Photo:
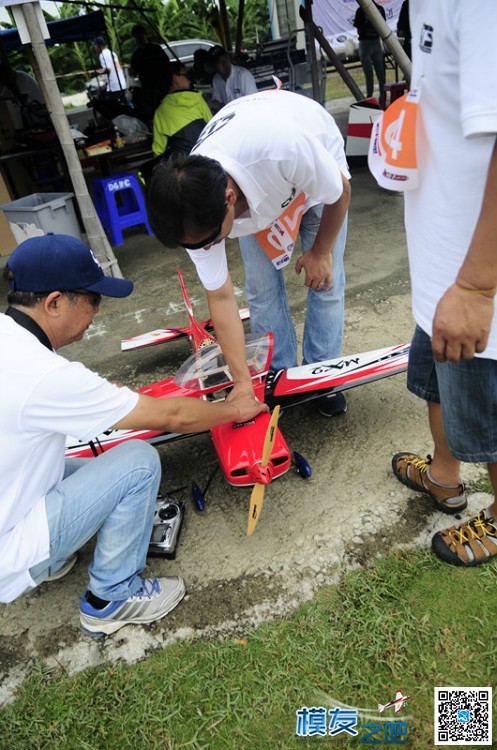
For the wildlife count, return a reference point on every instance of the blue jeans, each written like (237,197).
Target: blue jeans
(114,497)
(371,55)
(467,393)
(269,310)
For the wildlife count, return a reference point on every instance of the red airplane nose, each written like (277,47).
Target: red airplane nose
(261,474)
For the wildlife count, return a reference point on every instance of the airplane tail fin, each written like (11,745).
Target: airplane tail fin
(381,708)
(200,337)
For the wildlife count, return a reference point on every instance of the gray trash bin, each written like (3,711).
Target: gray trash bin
(51,212)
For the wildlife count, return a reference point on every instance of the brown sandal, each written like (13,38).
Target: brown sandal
(411,470)
(472,543)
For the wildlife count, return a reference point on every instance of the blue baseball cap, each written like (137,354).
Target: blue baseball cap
(62,263)
(99,40)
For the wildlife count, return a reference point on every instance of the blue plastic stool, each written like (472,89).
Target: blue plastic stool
(120,204)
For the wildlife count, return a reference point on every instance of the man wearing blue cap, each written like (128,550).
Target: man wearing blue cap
(52,506)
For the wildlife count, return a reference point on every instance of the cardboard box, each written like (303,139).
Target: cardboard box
(17,179)
(7,240)
(104,147)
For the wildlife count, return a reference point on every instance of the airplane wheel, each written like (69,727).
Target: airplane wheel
(198,497)
(303,467)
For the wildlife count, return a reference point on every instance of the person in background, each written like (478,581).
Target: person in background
(370,50)
(111,67)
(150,64)
(181,115)
(24,92)
(404,28)
(230,81)
(267,168)
(451,226)
(202,71)
(52,506)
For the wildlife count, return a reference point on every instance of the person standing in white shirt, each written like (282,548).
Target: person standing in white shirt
(451,226)
(110,65)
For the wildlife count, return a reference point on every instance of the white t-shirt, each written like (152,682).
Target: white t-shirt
(240,83)
(455,64)
(275,145)
(43,398)
(117,79)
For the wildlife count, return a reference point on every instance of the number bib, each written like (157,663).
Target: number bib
(392,148)
(278,240)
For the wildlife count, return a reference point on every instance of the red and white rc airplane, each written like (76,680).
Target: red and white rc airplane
(254,452)
(397,702)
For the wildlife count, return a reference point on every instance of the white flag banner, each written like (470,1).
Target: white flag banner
(336,18)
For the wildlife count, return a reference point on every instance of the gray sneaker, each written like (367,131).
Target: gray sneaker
(154,600)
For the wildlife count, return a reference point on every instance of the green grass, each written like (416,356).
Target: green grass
(409,622)
(337,89)
(483,485)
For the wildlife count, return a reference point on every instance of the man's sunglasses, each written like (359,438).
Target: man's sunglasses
(94,297)
(207,241)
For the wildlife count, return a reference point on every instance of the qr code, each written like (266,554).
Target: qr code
(463,716)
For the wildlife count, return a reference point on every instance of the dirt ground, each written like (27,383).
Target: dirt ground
(351,509)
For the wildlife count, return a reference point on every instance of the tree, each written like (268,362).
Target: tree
(167,21)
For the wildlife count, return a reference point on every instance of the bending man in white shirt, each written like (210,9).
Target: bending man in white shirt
(267,167)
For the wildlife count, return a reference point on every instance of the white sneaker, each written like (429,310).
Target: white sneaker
(154,600)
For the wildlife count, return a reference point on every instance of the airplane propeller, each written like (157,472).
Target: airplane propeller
(257,497)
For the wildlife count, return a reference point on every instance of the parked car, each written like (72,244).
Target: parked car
(184,49)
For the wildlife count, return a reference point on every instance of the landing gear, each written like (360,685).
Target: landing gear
(301,465)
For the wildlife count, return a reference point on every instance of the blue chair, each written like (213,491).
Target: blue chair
(120,204)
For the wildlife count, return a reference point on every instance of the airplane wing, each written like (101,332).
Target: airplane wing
(110,438)
(298,384)
(206,372)
(399,700)
(162,335)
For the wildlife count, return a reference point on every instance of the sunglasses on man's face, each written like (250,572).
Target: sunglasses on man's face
(208,241)
(94,298)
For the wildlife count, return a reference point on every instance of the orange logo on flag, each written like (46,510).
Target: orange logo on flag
(392,149)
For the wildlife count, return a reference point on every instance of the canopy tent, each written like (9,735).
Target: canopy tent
(30,22)
(74,29)
(336,18)
(34,33)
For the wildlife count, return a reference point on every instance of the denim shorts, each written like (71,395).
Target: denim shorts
(467,392)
